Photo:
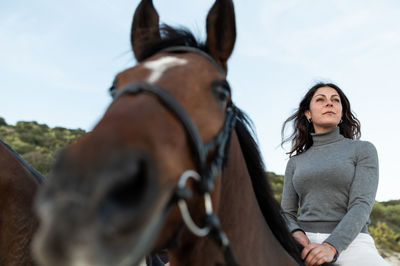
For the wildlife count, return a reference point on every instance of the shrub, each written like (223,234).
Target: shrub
(385,238)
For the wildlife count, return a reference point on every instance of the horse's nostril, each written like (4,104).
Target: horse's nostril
(127,191)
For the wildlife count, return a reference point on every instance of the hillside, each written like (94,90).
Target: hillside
(37,143)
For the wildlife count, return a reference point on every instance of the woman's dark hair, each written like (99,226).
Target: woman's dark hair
(301,138)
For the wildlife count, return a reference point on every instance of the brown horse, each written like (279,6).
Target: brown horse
(18,185)
(113,196)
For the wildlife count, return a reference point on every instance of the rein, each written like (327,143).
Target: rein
(206,173)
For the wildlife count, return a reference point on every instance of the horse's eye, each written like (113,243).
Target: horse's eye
(223,93)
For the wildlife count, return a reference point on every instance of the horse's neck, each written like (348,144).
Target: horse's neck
(241,219)
(14,173)
(17,222)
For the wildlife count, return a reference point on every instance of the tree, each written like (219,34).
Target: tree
(2,122)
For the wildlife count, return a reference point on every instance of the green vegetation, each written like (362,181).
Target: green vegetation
(2,122)
(385,219)
(37,143)
(385,226)
(276,182)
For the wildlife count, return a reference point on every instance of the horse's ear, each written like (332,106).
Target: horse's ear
(145,26)
(221,31)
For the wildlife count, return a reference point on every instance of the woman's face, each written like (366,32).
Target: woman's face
(325,109)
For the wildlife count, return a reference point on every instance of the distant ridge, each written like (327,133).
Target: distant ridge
(37,143)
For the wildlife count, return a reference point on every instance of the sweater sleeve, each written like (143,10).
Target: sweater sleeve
(290,199)
(361,197)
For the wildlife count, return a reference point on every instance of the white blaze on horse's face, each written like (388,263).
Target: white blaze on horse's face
(159,66)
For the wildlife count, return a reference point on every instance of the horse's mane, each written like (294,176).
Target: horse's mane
(39,177)
(169,37)
(268,205)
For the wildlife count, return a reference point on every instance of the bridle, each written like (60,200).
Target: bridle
(206,172)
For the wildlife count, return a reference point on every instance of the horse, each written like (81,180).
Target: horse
(18,185)
(172,164)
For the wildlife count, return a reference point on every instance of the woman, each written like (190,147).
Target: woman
(331,179)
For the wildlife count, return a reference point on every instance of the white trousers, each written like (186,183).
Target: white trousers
(361,251)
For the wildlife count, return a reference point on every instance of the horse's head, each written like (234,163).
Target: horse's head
(112,191)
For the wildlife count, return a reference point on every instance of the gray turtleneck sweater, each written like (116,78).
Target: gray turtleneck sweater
(333,184)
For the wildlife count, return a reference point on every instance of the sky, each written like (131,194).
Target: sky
(58,59)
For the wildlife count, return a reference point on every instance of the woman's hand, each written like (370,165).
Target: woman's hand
(301,238)
(317,254)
